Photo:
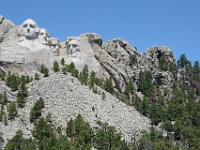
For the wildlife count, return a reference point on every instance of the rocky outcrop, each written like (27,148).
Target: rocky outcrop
(114,58)
(5,25)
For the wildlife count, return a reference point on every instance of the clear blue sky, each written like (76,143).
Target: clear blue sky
(143,23)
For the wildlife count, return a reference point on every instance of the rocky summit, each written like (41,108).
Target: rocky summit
(25,48)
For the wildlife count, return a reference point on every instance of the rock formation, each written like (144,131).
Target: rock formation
(24,48)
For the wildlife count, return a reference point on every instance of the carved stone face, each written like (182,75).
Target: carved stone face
(29,29)
(43,36)
(74,49)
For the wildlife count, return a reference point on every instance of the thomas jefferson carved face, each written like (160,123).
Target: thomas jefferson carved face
(44,36)
(29,29)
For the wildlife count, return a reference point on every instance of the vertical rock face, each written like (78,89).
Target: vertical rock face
(5,25)
(116,59)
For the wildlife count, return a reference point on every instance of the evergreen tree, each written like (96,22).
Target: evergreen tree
(182,62)
(92,78)
(42,130)
(16,141)
(132,60)
(85,74)
(5,119)
(145,106)
(1,139)
(196,71)
(103,95)
(56,66)
(36,111)
(70,130)
(63,61)
(44,70)
(1,115)
(108,85)
(12,111)
(21,100)
(129,89)
(37,76)
(145,83)
(5,98)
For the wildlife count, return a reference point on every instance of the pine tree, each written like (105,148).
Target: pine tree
(36,111)
(37,76)
(42,130)
(21,99)
(145,83)
(129,89)
(44,70)
(108,85)
(12,111)
(182,62)
(85,74)
(5,119)
(63,61)
(56,66)
(70,130)
(5,98)
(132,60)
(92,78)
(1,139)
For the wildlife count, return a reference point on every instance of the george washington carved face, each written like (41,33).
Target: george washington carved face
(29,29)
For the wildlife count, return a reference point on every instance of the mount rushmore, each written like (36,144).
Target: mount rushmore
(27,47)
(24,48)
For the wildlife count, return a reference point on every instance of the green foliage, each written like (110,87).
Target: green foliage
(5,120)
(18,142)
(5,98)
(62,61)
(36,111)
(2,75)
(12,111)
(108,85)
(103,95)
(92,78)
(42,130)
(1,115)
(70,68)
(56,66)
(182,62)
(1,139)
(80,132)
(44,70)
(145,83)
(107,137)
(37,76)
(196,71)
(132,60)
(13,81)
(93,108)
(129,89)
(83,76)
